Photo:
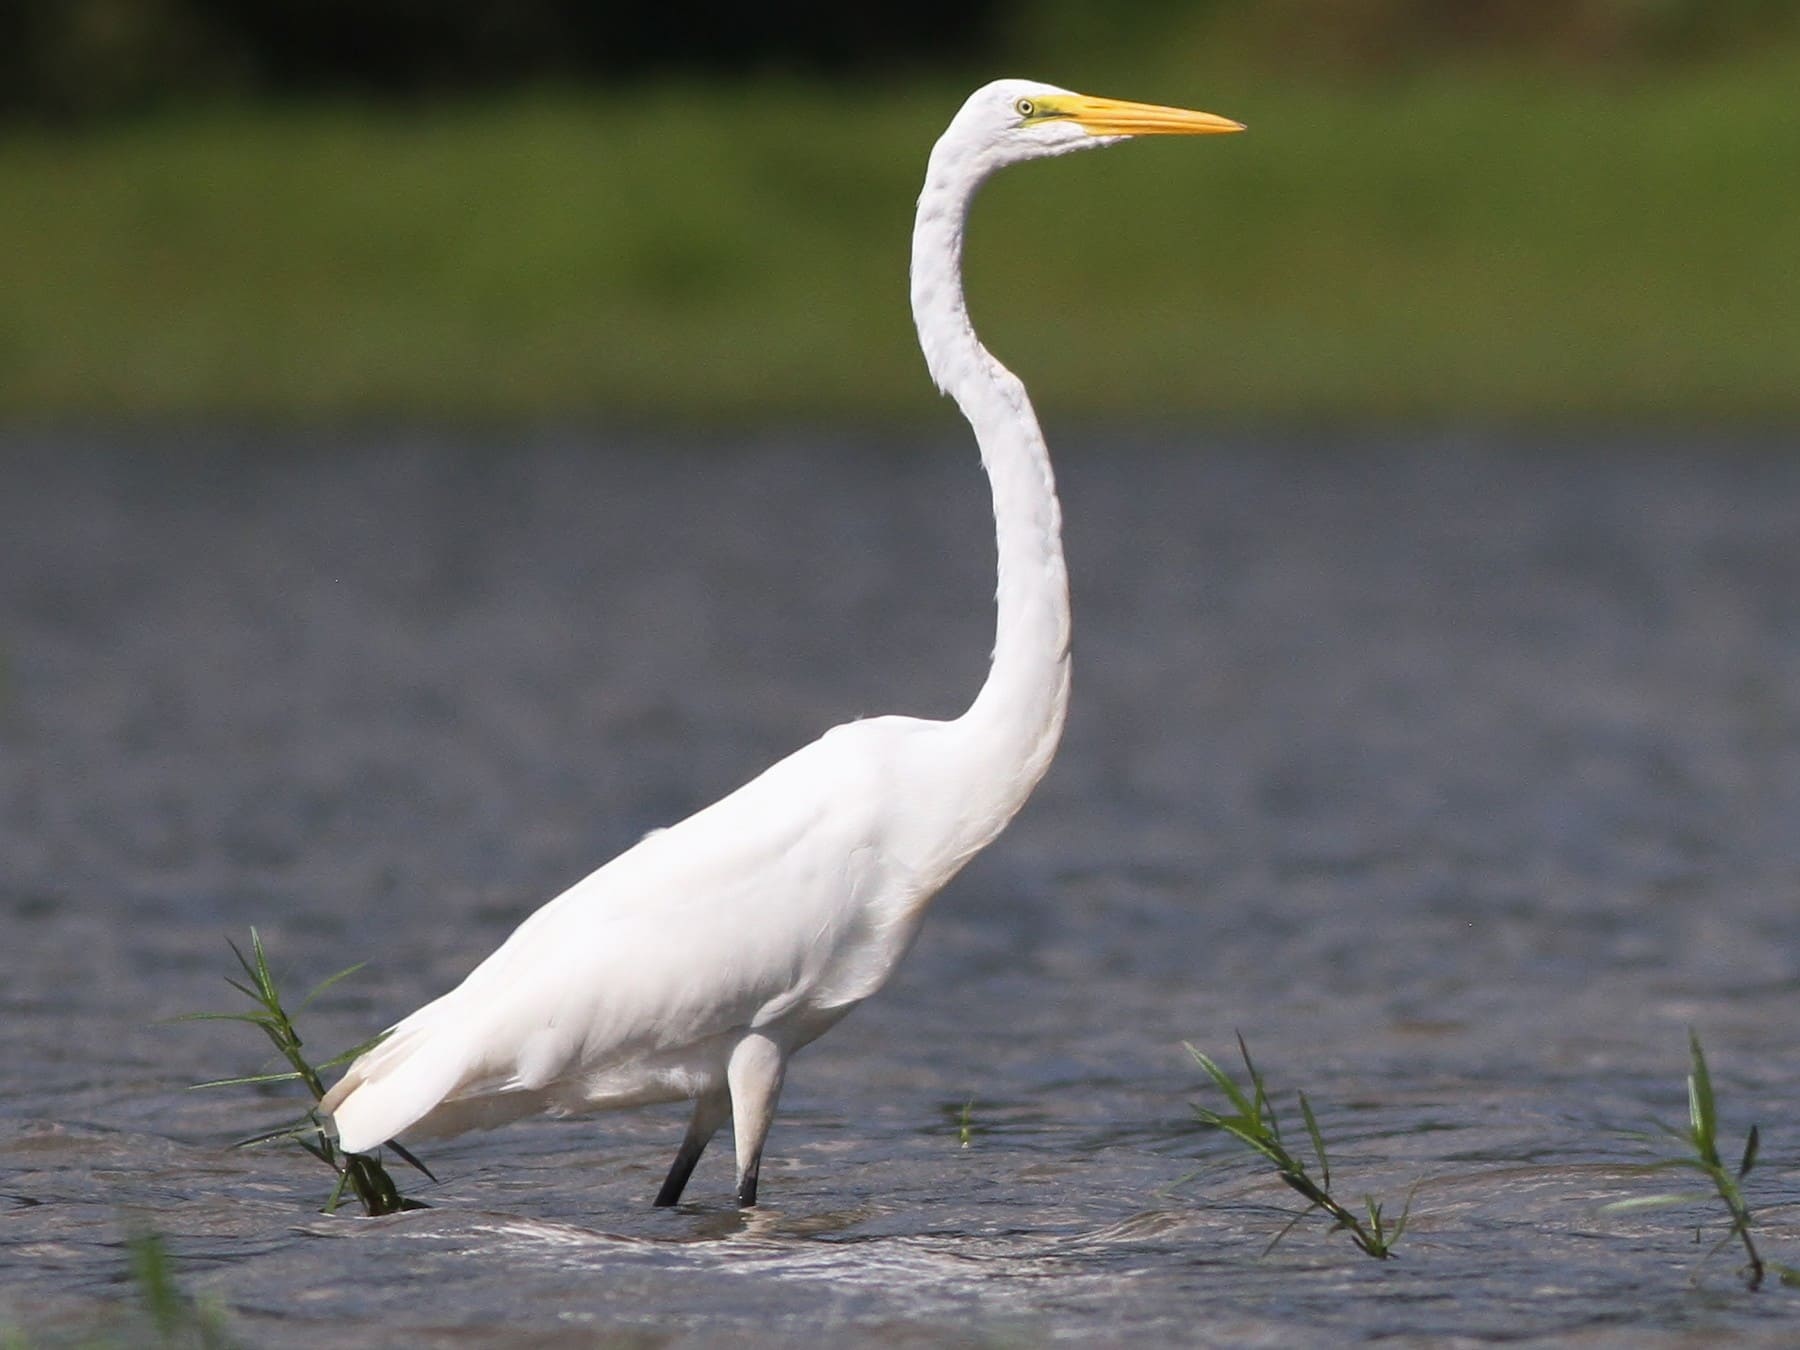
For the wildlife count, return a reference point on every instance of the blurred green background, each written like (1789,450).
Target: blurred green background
(701,213)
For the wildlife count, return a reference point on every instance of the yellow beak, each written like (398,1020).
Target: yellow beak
(1115,117)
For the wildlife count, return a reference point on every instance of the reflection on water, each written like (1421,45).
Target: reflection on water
(1462,777)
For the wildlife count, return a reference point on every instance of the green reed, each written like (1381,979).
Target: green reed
(178,1319)
(1254,1123)
(360,1173)
(1700,1140)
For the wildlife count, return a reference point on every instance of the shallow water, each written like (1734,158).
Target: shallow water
(1461,775)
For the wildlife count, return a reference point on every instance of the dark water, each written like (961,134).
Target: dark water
(1462,776)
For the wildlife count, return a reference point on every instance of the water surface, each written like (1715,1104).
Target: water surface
(1462,775)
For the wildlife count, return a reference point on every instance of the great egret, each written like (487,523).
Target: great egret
(694,964)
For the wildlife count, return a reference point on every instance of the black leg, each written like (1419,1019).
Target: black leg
(685,1158)
(709,1114)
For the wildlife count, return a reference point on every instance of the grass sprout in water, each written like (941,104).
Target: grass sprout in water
(1254,1124)
(360,1173)
(178,1319)
(1700,1139)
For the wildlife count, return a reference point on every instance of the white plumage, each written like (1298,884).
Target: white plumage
(694,964)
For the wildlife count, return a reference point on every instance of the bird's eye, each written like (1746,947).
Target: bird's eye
(1025,107)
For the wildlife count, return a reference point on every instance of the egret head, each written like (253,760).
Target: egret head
(1012,120)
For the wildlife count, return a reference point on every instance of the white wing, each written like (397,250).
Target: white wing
(781,901)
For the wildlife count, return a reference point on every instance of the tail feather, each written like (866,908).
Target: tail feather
(391,1089)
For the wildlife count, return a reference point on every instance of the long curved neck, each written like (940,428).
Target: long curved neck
(1010,732)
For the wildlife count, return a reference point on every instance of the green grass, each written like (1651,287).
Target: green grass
(1699,1141)
(159,1312)
(1470,243)
(176,1319)
(1254,1123)
(360,1174)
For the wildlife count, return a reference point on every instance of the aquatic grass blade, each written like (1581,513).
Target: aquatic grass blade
(285,1076)
(354,1052)
(1703,1115)
(358,1173)
(1263,1112)
(1405,1214)
(1222,1081)
(406,1156)
(258,971)
(1701,1139)
(337,1192)
(1287,1228)
(255,1019)
(297,1130)
(150,1272)
(1751,1144)
(1666,1200)
(178,1319)
(1318,1141)
(327,983)
(1257,1126)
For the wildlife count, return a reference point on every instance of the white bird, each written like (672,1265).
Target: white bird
(694,964)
